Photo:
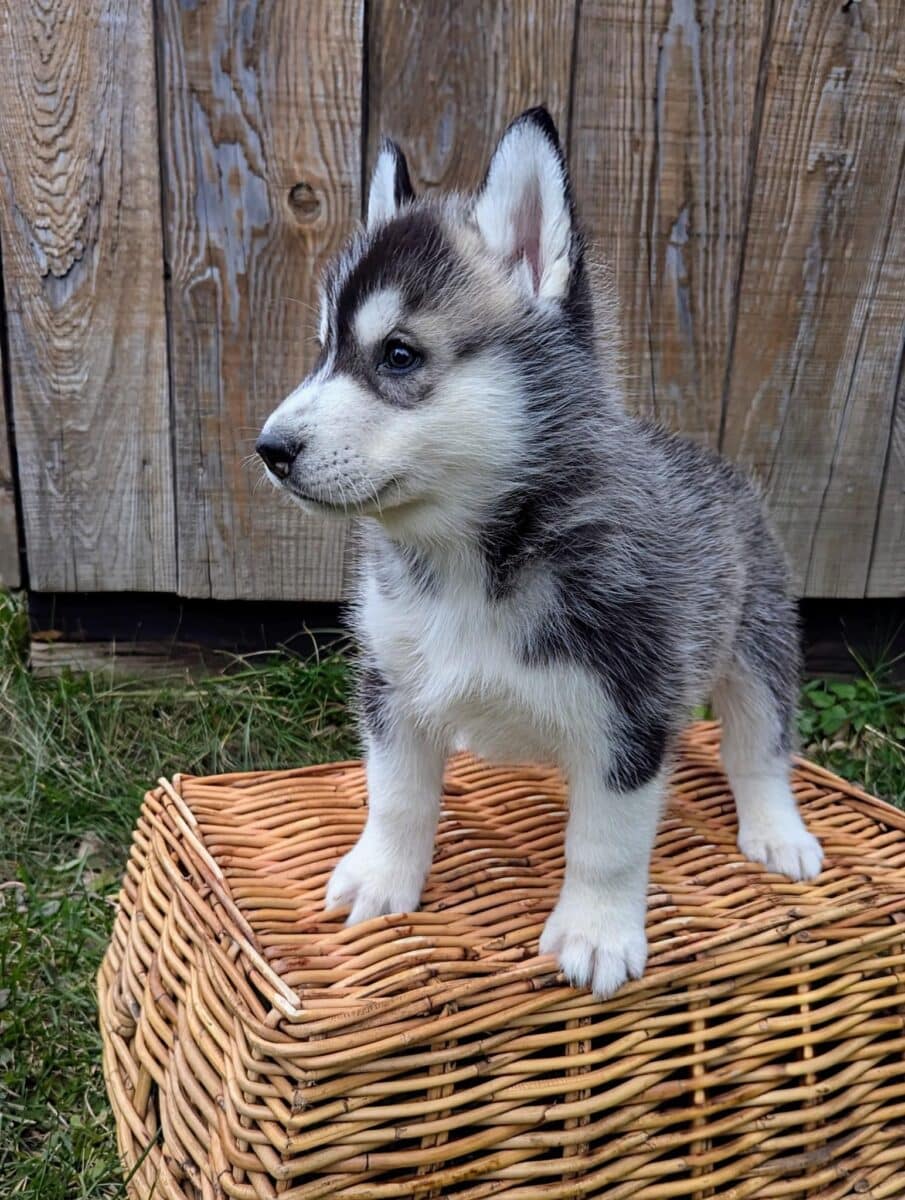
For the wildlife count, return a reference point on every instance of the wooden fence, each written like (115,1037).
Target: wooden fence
(173,176)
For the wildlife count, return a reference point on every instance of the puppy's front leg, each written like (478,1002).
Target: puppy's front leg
(385,870)
(596,929)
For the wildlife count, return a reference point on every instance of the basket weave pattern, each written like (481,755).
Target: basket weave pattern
(254,1048)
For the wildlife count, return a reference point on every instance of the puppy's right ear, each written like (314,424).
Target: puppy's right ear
(524,208)
(391,186)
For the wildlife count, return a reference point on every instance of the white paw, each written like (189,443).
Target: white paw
(599,945)
(787,849)
(371,884)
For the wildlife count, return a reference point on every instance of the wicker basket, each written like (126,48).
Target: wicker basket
(254,1048)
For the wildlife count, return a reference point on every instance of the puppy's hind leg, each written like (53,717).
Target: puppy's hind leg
(757,717)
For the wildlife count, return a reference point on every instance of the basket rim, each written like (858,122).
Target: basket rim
(698,736)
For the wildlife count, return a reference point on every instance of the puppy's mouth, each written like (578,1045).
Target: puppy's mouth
(371,504)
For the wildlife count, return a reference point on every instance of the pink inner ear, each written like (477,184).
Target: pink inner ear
(527,231)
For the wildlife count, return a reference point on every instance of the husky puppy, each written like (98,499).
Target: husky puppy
(543,575)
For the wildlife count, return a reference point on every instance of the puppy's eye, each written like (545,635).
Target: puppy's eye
(399,357)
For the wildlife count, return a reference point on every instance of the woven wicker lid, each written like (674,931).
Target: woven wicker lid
(435,1053)
(498,867)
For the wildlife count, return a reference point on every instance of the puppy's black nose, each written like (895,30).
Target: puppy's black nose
(278,453)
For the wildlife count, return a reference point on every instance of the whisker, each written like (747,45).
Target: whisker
(294,300)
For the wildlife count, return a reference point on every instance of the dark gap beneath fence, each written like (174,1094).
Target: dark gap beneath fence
(147,634)
(207,630)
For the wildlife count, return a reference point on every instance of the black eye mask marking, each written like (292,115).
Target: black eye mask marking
(409,253)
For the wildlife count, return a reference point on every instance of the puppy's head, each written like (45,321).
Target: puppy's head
(436,321)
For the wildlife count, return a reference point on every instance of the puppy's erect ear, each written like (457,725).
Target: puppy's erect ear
(391,186)
(524,207)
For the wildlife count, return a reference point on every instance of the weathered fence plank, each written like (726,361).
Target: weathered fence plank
(812,380)
(666,101)
(446,77)
(80,225)
(261,121)
(9,535)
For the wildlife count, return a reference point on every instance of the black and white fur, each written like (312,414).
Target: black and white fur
(544,576)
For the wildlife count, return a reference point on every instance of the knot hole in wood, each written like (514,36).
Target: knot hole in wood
(304,201)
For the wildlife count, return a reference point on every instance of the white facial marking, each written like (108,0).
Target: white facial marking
(378,316)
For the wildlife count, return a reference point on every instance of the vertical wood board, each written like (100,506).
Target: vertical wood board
(811,386)
(261,125)
(83,281)
(446,78)
(665,119)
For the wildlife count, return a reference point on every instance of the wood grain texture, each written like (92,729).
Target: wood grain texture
(445,78)
(10,576)
(664,119)
(811,385)
(741,167)
(80,224)
(261,120)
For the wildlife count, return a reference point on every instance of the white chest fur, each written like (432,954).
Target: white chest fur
(456,659)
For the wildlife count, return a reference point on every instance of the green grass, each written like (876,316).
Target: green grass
(856,727)
(75,756)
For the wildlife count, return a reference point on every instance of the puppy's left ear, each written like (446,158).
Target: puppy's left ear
(391,186)
(524,208)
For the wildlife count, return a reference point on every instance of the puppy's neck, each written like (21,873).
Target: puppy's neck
(469,546)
